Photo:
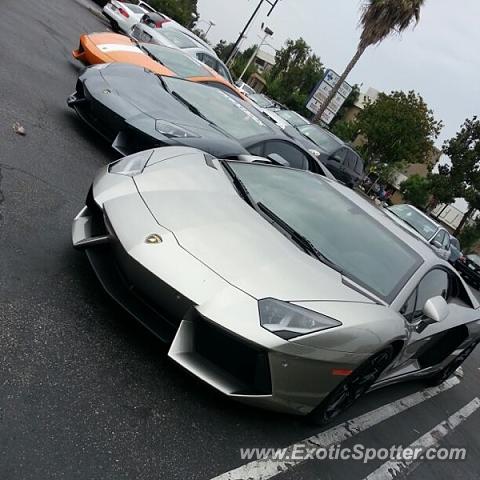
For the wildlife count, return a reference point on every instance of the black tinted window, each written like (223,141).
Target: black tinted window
(351,160)
(359,167)
(433,284)
(293,155)
(340,155)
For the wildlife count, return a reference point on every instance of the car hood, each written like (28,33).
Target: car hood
(199,205)
(150,103)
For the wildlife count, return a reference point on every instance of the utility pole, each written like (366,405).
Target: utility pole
(268,33)
(273,4)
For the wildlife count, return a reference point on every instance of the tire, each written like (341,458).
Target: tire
(439,377)
(352,388)
(114,26)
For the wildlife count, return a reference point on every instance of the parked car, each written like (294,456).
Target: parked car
(424,227)
(159,29)
(341,159)
(136,109)
(455,250)
(278,288)
(469,268)
(105,47)
(123,16)
(245,88)
(293,118)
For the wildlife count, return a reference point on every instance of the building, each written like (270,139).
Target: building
(363,98)
(264,61)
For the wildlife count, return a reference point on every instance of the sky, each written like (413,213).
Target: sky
(440,58)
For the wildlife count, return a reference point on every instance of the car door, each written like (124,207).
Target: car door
(336,163)
(429,343)
(441,244)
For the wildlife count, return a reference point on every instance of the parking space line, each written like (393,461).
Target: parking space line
(393,469)
(268,468)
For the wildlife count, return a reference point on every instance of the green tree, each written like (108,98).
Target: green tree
(464,153)
(183,11)
(379,19)
(470,236)
(296,72)
(416,191)
(223,49)
(398,128)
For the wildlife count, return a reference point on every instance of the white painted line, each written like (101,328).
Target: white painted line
(393,469)
(265,469)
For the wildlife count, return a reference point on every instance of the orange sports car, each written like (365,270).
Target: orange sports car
(112,47)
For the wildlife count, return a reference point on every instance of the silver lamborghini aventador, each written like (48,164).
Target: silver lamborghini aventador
(278,287)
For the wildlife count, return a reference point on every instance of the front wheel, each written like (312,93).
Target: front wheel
(449,370)
(352,388)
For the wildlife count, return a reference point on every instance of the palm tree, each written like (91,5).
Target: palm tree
(379,19)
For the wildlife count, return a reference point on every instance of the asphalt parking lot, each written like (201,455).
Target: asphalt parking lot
(84,391)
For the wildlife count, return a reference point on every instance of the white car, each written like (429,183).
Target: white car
(423,227)
(123,16)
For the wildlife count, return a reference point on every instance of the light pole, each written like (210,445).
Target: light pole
(273,4)
(268,33)
(210,24)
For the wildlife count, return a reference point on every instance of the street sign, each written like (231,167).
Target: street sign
(321,93)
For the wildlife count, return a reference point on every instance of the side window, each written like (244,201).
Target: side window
(200,56)
(433,284)
(223,71)
(340,155)
(446,241)
(351,160)
(257,149)
(210,61)
(293,155)
(359,167)
(439,237)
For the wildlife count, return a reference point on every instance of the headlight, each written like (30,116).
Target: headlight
(314,152)
(173,131)
(289,321)
(131,165)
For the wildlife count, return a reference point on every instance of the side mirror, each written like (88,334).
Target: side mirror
(436,244)
(436,309)
(277,159)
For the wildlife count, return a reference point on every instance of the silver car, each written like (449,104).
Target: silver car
(171,34)
(425,228)
(277,287)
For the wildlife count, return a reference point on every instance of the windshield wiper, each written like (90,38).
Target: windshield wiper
(298,238)
(239,185)
(190,106)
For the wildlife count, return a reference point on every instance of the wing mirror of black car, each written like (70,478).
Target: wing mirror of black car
(277,159)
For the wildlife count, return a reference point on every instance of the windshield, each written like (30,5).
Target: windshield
(176,61)
(220,108)
(361,247)
(416,220)
(293,118)
(179,39)
(261,100)
(320,137)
